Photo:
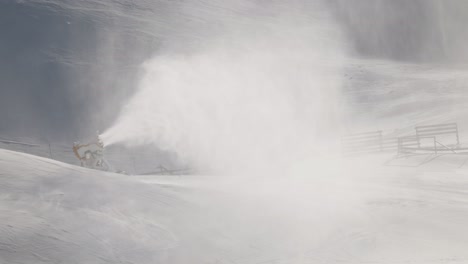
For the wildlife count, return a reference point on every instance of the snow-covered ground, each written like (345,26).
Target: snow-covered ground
(232,87)
(398,96)
(53,212)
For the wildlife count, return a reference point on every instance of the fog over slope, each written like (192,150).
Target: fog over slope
(354,213)
(256,90)
(425,31)
(68,67)
(256,93)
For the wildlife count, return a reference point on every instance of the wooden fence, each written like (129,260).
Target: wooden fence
(439,130)
(435,139)
(428,138)
(367,142)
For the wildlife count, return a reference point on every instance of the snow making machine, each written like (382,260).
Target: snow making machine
(91,154)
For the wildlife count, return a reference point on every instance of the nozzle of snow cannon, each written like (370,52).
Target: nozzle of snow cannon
(99,140)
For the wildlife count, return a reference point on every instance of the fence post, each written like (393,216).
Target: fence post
(418,138)
(50,151)
(132,156)
(381,140)
(399,146)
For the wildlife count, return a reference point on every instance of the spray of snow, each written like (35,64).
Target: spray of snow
(256,95)
(255,90)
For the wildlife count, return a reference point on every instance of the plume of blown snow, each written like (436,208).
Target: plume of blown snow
(259,93)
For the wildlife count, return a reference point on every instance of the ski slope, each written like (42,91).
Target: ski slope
(398,96)
(51,212)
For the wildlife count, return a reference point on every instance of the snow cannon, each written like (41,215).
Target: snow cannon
(91,154)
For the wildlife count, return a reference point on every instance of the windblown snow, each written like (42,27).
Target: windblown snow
(255,93)
(52,212)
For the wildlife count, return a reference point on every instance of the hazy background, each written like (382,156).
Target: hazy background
(67,68)
(242,87)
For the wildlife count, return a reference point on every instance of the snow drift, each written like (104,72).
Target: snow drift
(54,212)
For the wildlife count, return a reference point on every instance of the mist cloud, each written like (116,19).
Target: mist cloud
(254,96)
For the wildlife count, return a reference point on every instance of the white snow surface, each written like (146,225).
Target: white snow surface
(51,212)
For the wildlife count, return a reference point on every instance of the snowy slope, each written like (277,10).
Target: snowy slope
(52,212)
(391,95)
